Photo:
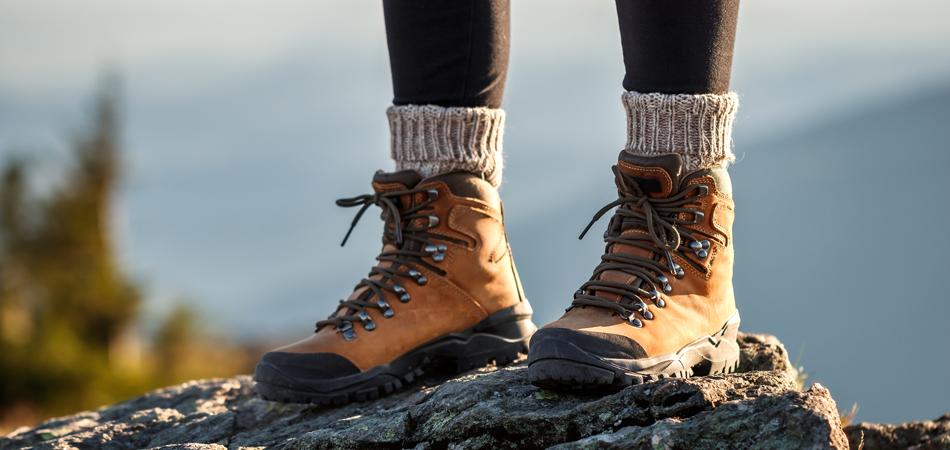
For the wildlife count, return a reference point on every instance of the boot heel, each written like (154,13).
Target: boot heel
(501,344)
(721,355)
(500,338)
(501,354)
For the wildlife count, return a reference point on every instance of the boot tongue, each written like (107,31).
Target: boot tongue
(402,180)
(657,176)
(395,181)
(384,182)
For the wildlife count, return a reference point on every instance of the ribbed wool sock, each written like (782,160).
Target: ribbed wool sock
(434,139)
(696,127)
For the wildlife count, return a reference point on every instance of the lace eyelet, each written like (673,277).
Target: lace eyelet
(386,308)
(678,271)
(634,322)
(433,194)
(660,303)
(433,221)
(698,217)
(700,248)
(647,314)
(437,251)
(347,331)
(401,292)
(666,283)
(421,279)
(368,323)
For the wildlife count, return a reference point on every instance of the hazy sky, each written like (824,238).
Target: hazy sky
(51,45)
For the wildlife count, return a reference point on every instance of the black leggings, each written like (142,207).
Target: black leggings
(455,52)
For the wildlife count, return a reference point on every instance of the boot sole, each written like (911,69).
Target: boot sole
(576,369)
(499,338)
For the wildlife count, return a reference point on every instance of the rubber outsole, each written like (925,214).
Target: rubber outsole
(499,339)
(561,365)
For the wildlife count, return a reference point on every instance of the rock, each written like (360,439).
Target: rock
(490,408)
(793,420)
(928,435)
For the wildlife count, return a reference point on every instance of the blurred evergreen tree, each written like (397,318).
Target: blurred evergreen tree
(63,299)
(69,315)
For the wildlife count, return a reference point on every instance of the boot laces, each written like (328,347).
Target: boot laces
(407,229)
(666,233)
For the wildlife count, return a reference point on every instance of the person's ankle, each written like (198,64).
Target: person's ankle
(697,127)
(434,139)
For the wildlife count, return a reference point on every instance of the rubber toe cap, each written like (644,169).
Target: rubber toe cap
(566,343)
(294,369)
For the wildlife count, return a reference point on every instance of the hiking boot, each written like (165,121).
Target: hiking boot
(445,294)
(660,303)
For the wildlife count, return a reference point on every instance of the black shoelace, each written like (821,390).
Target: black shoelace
(665,235)
(408,230)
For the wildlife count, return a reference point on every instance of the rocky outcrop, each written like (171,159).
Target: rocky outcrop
(928,435)
(760,405)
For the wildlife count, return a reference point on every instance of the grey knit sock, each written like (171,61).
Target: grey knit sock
(434,139)
(696,127)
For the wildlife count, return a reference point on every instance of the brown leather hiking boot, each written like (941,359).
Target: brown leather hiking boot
(444,294)
(660,303)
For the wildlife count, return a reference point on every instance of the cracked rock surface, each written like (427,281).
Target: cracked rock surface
(759,406)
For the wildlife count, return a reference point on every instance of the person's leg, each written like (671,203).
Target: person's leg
(660,303)
(678,59)
(447,53)
(678,46)
(445,269)
(449,60)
